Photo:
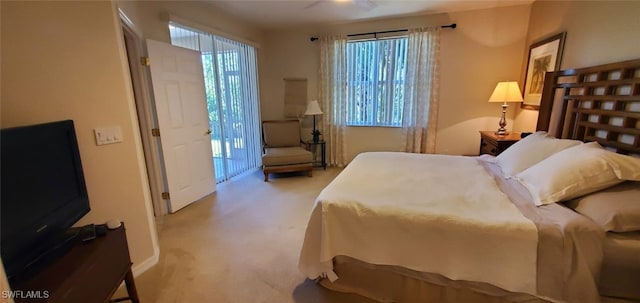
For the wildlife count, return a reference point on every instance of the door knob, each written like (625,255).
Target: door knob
(208,132)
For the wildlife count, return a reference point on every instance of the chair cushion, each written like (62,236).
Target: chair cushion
(281,133)
(286,156)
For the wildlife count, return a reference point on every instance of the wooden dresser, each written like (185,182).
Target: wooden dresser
(89,272)
(492,144)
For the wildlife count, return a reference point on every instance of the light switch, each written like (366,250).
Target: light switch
(108,135)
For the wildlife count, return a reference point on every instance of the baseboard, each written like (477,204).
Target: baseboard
(139,269)
(145,265)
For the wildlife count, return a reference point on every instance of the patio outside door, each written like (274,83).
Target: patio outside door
(230,77)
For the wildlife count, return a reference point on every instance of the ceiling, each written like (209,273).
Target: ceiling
(287,13)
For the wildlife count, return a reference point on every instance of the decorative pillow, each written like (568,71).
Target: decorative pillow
(529,151)
(577,171)
(616,209)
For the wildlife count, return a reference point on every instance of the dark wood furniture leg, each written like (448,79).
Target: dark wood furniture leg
(131,287)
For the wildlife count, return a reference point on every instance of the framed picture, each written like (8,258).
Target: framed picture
(544,56)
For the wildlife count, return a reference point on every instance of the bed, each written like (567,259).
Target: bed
(399,227)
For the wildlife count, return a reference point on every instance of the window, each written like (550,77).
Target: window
(375,82)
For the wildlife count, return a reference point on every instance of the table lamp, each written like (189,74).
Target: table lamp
(313,109)
(505,92)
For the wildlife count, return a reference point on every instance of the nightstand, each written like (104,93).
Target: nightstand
(319,153)
(492,144)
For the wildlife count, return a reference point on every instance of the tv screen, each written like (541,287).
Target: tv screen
(43,190)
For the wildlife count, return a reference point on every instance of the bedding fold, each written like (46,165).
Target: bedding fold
(569,245)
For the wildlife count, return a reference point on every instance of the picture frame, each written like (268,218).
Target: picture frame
(544,56)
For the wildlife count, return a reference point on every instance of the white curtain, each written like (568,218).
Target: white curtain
(333,96)
(419,118)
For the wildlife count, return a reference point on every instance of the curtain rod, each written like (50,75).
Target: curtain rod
(452,26)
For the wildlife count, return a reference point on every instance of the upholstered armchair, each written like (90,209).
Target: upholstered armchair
(282,149)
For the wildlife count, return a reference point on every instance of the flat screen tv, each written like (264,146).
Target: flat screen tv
(43,191)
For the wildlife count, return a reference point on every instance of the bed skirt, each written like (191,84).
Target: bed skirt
(383,283)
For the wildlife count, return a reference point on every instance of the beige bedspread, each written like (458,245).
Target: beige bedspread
(566,268)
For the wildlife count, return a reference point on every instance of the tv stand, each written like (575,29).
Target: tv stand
(45,254)
(89,272)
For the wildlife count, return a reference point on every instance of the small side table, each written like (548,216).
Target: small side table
(313,148)
(90,271)
(492,144)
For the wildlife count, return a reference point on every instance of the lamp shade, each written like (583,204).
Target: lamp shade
(506,92)
(313,108)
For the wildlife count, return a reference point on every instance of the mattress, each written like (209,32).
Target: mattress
(620,274)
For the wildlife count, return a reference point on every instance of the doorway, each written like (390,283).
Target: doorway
(230,72)
(146,120)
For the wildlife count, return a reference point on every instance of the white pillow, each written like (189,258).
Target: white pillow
(529,151)
(625,167)
(577,171)
(616,208)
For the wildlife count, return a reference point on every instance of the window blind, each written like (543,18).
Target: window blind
(376,72)
(231,83)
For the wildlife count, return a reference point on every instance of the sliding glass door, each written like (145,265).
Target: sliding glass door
(230,71)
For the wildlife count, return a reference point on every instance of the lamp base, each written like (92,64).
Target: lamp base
(315,133)
(502,131)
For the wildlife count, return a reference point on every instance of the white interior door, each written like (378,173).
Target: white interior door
(178,87)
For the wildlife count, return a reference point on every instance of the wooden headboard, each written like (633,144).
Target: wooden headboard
(599,103)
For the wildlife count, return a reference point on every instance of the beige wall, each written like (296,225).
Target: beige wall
(486,48)
(150,19)
(598,32)
(65,60)
(4,286)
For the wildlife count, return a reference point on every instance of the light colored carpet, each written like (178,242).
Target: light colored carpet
(240,244)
